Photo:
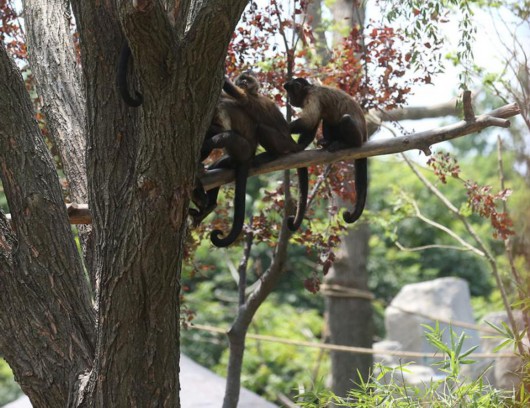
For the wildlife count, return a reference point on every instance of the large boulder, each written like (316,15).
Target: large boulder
(447,299)
(506,371)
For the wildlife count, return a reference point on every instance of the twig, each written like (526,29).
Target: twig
(443,228)
(489,257)
(508,248)
(434,246)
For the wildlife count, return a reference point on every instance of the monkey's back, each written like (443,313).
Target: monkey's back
(230,115)
(264,111)
(335,103)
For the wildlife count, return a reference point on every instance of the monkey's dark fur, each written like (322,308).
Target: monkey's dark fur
(234,131)
(343,125)
(272,131)
(121,78)
(244,119)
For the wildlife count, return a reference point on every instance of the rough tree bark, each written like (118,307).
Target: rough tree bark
(119,348)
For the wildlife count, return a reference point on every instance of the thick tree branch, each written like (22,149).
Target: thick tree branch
(421,141)
(223,13)
(79,213)
(153,43)
(45,307)
(53,62)
(52,51)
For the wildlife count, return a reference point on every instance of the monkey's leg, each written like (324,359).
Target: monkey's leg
(235,145)
(350,131)
(206,201)
(328,135)
(121,78)
(239,156)
(307,132)
(267,137)
(208,145)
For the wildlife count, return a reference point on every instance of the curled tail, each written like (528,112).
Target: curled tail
(361,187)
(121,78)
(239,209)
(293,223)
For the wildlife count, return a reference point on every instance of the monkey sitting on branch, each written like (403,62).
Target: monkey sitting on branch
(235,132)
(272,131)
(343,126)
(243,119)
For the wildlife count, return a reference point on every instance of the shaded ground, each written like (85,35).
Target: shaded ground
(200,388)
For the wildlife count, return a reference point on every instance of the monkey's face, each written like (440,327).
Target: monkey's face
(297,91)
(249,83)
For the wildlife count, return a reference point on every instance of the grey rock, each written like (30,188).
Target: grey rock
(444,298)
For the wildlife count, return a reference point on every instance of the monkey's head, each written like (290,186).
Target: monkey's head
(297,90)
(248,82)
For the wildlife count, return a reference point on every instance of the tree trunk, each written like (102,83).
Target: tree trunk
(348,315)
(349,310)
(45,309)
(122,350)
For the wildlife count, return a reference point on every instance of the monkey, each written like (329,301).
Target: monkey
(343,125)
(272,131)
(234,131)
(121,78)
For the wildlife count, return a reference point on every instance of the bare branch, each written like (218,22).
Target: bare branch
(417,112)
(52,51)
(421,141)
(434,246)
(443,228)
(469,114)
(80,214)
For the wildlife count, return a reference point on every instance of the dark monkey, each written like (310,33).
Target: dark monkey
(272,131)
(343,125)
(121,78)
(234,131)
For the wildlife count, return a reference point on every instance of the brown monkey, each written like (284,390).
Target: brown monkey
(235,132)
(343,125)
(272,131)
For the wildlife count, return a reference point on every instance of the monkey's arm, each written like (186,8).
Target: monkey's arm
(309,118)
(233,90)
(307,124)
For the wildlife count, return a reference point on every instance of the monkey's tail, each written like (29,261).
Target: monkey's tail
(294,222)
(239,209)
(361,187)
(121,78)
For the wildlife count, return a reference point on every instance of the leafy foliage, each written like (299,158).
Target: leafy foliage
(386,388)
(9,389)
(481,199)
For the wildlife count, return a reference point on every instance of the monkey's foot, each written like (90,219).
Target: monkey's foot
(335,146)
